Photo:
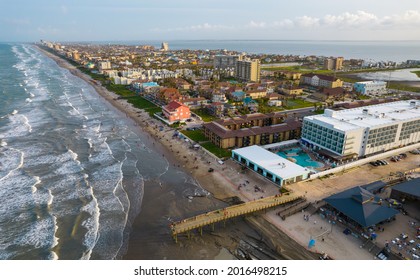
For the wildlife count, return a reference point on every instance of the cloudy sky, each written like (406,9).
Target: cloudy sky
(80,20)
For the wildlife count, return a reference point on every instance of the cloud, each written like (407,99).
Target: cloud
(347,20)
(256,24)
(360,18)
(306,21)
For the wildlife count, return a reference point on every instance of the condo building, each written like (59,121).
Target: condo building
(252,129)
(165,47)
(318,80)
(248,70)
(370,87)
(333,63)
(363,131)
(225,61)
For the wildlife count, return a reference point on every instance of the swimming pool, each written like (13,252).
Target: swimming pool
(301,158)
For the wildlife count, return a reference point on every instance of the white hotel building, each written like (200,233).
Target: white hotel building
(370,87)
(363,131)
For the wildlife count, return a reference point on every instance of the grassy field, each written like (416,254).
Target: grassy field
(140,102)
(398,86)
(195,135)
(417,73)
(297,103)
(204,115)
(153,110)
(219,152)
(120,90)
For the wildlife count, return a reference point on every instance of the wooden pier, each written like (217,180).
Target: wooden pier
(221,215)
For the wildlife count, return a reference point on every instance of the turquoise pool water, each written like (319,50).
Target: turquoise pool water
(301,158)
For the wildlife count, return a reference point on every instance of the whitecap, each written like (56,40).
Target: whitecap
(37,182)
(26,122)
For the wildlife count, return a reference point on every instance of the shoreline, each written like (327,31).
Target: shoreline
(195,163)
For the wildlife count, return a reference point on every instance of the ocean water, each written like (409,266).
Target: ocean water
(398,51)
(72,169)
(396,75)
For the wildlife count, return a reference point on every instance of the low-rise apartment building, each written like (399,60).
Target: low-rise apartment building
(318,80)
(252,129)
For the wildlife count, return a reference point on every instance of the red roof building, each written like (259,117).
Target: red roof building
(176,111)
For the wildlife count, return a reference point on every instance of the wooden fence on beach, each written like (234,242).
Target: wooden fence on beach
(221,215)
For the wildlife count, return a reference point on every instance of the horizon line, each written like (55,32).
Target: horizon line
(221,40)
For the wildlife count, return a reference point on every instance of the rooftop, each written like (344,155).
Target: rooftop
(271,162)
(370,116)
(361,206)
(411,187)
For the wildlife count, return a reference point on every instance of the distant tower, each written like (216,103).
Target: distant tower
(165,46)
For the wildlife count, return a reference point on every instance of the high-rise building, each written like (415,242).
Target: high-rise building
(333,63)
(225,61)
(248,70)
(165,46)
(339,63)
(104,65)
(76,55)
(363,131)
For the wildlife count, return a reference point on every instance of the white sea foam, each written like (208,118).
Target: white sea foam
(12,161)
(37,182)
(91,224)
(28,100)
(50,198)
(26,122)
(53,256)
(3,143)
(73,155)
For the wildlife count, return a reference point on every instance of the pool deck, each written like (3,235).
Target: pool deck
(299,160)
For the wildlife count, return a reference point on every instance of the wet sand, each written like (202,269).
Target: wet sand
(149,234)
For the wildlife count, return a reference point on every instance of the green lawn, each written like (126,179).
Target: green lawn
(417,73)
(204,115)
(120,90)
(297,103)
(140,102)
(219,152)
(363,97)
(195,135)
(264,108)
(153,110)
(397,86)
